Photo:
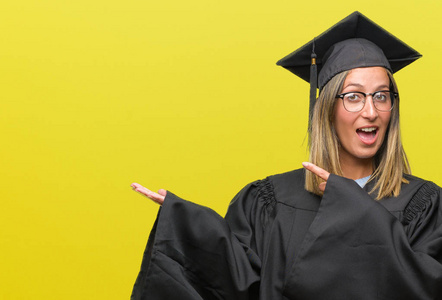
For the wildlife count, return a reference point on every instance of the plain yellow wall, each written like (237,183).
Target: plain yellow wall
(183,95)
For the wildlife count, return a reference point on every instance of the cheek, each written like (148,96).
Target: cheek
(343,122)
(386,118)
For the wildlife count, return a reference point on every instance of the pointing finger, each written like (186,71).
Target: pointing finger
(316,170)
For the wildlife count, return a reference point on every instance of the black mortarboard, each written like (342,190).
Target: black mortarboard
(354,42)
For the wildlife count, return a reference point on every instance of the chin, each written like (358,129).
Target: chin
(366,154)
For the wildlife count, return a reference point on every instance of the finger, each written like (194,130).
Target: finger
(322,186)
(162,192)
(135,185)
(151,195)
(148,193)
(316,170)
(141,189)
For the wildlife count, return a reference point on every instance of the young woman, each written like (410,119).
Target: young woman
(355,225)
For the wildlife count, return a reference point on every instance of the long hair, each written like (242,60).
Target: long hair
(389,163)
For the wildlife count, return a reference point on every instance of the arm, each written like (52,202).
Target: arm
(356,249)
(194,253)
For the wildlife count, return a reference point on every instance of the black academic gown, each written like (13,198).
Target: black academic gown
(278,241)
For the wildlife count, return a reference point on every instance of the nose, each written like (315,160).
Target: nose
(369,111)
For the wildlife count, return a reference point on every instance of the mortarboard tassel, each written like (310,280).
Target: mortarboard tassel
(313,84)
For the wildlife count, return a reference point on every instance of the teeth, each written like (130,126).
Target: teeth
(369,129)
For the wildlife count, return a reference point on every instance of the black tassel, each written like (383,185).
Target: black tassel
(313,84)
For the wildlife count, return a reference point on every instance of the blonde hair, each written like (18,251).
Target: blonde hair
(389,163)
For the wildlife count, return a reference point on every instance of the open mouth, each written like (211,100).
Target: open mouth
(367,134)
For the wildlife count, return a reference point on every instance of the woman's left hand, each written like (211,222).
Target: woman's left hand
(317,171)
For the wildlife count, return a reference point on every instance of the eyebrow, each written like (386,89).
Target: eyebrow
(361,86)
(352,84)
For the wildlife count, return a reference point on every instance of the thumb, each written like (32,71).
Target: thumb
(322,186)
(162,192)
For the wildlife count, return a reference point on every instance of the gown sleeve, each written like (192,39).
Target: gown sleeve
(356,249)
(193,253)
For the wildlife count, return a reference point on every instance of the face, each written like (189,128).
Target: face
(361,133)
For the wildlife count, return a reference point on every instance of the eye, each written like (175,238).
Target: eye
(353,97)
(381,96)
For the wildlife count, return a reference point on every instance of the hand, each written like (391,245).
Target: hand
(156,197)
(317,171)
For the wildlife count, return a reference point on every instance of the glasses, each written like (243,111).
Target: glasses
(355,101)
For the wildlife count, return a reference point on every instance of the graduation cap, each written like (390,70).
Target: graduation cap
(354,42)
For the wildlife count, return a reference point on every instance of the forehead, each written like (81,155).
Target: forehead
(371,77)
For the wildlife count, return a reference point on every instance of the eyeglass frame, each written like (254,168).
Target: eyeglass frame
(395,95)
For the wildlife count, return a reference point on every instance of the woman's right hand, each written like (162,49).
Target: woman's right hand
(155,197)
(319,172)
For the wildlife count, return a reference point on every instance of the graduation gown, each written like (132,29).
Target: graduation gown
(278,241)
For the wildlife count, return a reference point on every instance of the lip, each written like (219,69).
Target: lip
(368,141)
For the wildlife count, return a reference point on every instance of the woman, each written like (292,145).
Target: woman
(355,225)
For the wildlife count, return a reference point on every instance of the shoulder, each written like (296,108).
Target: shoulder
(289,190)
(292,179)
(424,198)
(284,188)
(416,191)
(414,180)
(420,186)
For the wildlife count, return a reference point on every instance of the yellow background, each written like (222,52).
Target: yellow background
(183,95)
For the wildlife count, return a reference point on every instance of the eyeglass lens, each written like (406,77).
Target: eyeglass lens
(355,101)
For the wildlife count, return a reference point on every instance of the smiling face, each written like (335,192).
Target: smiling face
(361,133)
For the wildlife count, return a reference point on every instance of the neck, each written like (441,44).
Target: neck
(356,168)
